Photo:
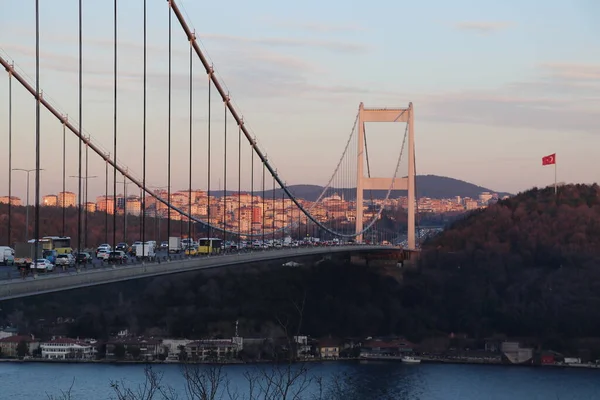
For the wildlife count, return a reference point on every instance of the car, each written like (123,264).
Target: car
(102,254)
(83,258)
(103,247)
(65,260)
(122,247)
(117,257)
(41,264)
(164,245)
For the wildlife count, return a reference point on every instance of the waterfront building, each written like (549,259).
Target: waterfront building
(67,349)
(9,345)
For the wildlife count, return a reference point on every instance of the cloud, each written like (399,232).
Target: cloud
(322,27)
(566,97)
(482,27)
(336,46)
(574,71)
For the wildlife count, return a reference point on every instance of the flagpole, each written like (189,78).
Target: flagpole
(555,188)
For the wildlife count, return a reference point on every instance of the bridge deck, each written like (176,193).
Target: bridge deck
(92,277)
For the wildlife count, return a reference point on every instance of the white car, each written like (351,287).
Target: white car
(102,254)
(41,264)
(65,260)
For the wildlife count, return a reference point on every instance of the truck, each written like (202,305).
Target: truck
(26,252)
(145,251)
(175,244)
(7,255)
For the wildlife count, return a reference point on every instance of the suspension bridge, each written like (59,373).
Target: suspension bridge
(253,202)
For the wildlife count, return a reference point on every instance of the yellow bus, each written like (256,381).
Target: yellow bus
(209,245)
(62,244)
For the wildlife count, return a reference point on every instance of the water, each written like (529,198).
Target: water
(371,381)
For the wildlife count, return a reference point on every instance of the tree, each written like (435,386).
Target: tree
(119,351)
(22,349)
(134,351)
(182,353)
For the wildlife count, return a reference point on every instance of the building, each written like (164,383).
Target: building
(173,347)
(214,349)
(90,207)
(8,331)
(67,199)
(385,348)
(513,353)
(67,349)
(14,201)
(329,348)
(247,213)
(134,205)
(105,204)
(134,348)
(50,200)
(9,345)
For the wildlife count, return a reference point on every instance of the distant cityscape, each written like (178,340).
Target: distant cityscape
(249,213)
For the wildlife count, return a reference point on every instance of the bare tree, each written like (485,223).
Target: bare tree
(204,382)
(64,395)
(149,390)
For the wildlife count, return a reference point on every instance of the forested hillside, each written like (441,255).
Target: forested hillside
(529,265)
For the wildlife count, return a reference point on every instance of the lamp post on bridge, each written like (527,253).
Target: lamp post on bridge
(27,206)
(85,207)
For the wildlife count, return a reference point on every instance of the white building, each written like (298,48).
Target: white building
(65,348)
(173,346)
(8,332)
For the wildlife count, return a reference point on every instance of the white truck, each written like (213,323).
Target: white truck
(145,251)
(7,255)
(175,245)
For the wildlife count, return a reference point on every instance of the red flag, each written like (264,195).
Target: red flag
(549,160)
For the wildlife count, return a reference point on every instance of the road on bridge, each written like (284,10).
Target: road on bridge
(54,282)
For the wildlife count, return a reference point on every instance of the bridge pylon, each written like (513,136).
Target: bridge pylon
(399,183)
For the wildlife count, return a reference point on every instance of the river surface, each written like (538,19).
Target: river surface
(366,380)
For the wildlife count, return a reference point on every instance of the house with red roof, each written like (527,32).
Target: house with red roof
(9,345)
(67,349)
(386,347)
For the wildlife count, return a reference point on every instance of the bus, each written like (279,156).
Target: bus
(209,245)
(62,244)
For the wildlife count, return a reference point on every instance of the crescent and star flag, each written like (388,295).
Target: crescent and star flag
(549,160)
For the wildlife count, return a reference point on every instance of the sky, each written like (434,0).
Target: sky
(495,87)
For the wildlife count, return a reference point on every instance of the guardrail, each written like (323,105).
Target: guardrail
(91,277)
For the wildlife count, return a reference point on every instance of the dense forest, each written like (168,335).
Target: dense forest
(528,266)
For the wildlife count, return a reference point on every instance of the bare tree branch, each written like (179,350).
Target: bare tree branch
(204,382)
(149,390)
(64,395)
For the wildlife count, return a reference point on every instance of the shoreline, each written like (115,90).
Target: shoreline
(424,360)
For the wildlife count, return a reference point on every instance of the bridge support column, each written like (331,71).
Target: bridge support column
(399,183)
(412,200)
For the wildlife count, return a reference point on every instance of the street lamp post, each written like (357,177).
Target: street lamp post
(27,207)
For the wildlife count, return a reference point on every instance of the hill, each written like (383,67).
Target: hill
(528,265)
(432,186)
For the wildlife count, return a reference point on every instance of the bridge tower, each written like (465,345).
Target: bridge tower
(400,183)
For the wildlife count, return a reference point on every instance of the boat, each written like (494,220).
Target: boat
(410,360)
